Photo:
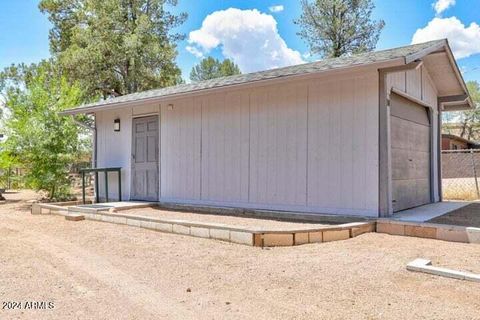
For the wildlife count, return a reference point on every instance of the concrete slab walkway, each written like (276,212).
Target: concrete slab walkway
(429,211)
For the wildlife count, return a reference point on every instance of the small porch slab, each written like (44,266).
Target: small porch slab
(429,211)
(110,206)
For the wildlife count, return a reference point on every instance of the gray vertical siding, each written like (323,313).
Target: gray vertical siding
(308,145)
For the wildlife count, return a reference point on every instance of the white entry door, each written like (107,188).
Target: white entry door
(145,159)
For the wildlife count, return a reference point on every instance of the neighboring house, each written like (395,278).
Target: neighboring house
(357,135)
(453,142)
(470,131)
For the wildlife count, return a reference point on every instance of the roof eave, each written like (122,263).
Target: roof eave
(116,105)
(460,104)
(420,54)
(457,72)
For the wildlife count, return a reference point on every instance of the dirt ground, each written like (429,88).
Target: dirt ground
(468,216)
(94,270)
(223,219)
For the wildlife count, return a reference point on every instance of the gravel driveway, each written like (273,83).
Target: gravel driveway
(94,270)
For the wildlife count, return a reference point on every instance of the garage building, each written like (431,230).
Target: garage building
(356,135)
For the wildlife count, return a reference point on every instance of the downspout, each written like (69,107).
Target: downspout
(385,207)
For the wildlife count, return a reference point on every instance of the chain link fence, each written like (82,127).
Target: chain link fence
(461,174)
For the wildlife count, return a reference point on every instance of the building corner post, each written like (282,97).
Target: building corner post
(384,179)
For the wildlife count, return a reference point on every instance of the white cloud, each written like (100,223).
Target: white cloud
(465,41)
(442,5)
(248,37)
(277,8)
(193,50)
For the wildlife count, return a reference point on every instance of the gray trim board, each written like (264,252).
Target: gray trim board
(385,208)
(410,97)
(431,115)
(448,99)
(439,150)
(384,196)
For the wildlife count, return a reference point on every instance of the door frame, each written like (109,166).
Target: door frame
(135,117)
(430,115)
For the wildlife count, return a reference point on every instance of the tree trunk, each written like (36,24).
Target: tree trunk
(52,192)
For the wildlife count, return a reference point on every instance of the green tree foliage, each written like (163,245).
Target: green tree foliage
(210,68)
(115,47)
(334,28)
(38,139)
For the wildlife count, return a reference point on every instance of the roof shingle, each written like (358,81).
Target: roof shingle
(307,68)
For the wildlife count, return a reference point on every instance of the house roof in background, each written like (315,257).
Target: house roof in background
(407,53)
(458,138)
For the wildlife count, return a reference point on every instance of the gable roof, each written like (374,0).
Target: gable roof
(407,53)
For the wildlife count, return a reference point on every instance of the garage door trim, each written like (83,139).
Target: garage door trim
(411,115)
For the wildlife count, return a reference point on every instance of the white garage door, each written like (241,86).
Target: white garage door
(410,144)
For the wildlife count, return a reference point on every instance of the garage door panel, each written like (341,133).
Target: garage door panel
(410,150)
(398,129)
(422,165)
(402,165)
(404,194)
(408,110)
(423,191)
(422,138)
(411,135)
(399,163)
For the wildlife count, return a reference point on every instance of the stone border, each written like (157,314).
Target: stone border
(44,208)
(55,205)
(54,208)
(264,237)
(429,230)
(243,235)
(425,266)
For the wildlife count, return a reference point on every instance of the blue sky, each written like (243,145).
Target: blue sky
(257,37)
